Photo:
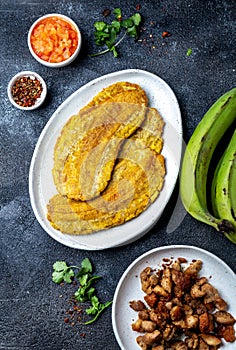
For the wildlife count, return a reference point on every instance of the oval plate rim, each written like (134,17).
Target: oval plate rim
(57,118)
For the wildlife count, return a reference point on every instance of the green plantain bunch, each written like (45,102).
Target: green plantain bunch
(220,211)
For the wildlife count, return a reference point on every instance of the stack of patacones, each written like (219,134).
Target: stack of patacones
(108,166)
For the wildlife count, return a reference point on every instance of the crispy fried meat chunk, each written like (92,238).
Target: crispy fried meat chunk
(176,313)
(211,293)
(193,269)
(151,299)
(227,332)
(151,338)
(169,332)
(211,339)
(192,341)
(148,339)
(181,310)
(206,324)
(143,326)
(137,305)
(145,278)
(166,280)
(179,345)
(158,347)
(203,345)
(144,315)
(224,318)
(181,281)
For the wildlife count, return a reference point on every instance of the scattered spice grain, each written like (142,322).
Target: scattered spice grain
(106,12)
(165,34)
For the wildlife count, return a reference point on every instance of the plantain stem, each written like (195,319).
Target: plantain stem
(226,226)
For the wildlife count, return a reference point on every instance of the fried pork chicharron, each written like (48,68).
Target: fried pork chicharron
(181,310)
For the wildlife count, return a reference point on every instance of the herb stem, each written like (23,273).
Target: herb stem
(107,50)
(99,312)
(93,319)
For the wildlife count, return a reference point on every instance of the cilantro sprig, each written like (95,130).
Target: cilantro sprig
(62,272)
(86,291)
(96,309)
(106,34)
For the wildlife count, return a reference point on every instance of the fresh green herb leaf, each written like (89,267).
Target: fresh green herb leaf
(136,19)
(117,13)
(132,31)
(90,292)
(81,294)
(106,34)
(100,37)
(84,292)
(127,23)
(100,26)
(189,52)
(96,309)
(57,277)
(62,272)
(83,279)
(116,25)
(113,34)
(86,267)
(115,53)
(60,265)
(95,305)
(68,275)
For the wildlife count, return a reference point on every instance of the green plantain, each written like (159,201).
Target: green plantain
(232,192)
(223,190)
(197,157)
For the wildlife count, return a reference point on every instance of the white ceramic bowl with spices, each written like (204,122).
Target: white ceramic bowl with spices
(54,40)
(27,90)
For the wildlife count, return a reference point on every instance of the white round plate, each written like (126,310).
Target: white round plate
(41,185)
(129,287)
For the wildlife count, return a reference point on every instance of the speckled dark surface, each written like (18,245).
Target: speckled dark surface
(32,311)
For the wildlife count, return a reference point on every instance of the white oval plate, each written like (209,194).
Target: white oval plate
(41,185)
(129,288)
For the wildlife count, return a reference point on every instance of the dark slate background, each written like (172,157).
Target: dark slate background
(32,307)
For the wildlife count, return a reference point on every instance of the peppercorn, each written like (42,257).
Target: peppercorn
(26,91)
(165,34)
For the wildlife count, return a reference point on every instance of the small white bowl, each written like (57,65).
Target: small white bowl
(32,75)
(62,63)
